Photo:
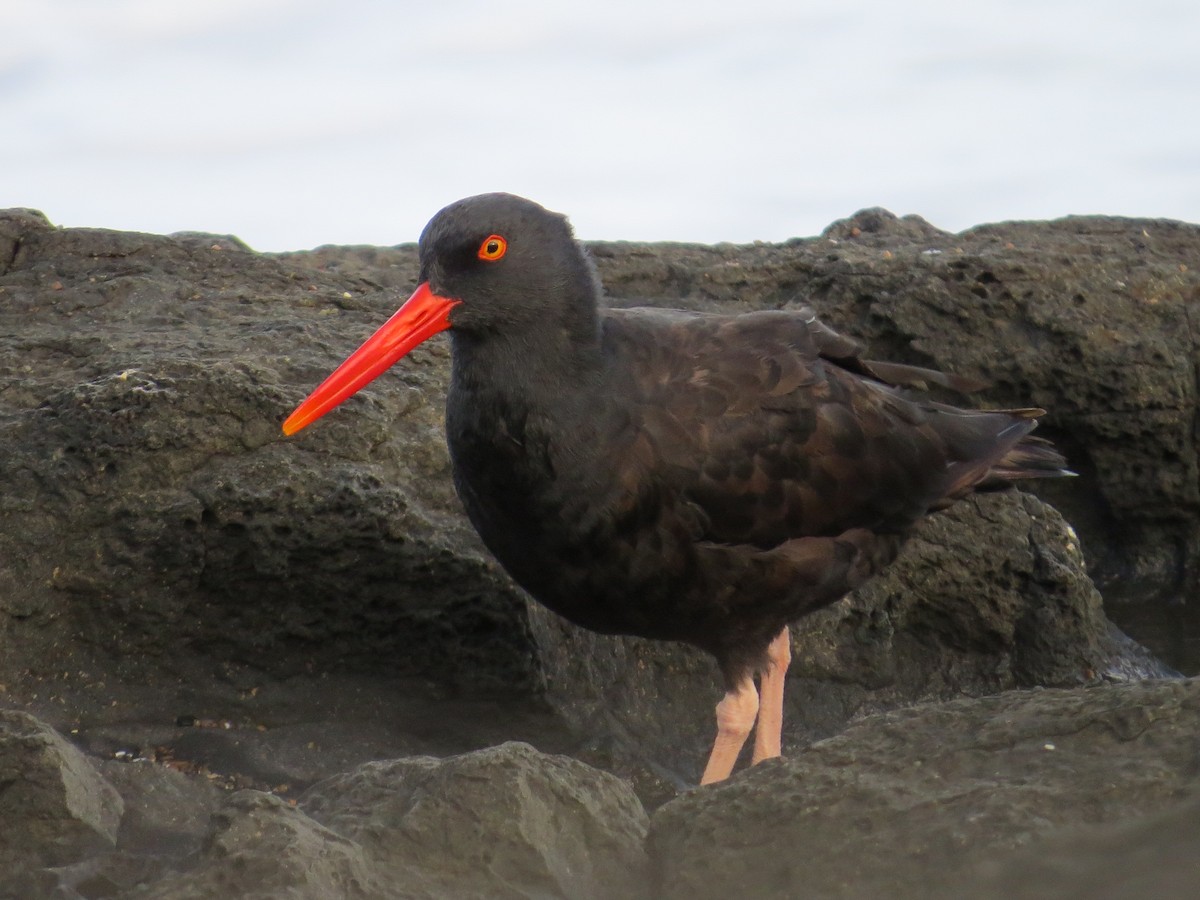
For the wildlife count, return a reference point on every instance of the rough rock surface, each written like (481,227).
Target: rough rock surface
(1087,792)
(918,801)
(207,607)
(505,821)
(77,810)
(1157,855)
(55,807)
(260,847)
(990,596)
(502,822)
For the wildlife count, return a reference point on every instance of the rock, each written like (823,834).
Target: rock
(148,491)
(166,811)
(1157,855)
(503,822)
(909,803)
(262,848)
(178,580)
(131,388)
(56,808)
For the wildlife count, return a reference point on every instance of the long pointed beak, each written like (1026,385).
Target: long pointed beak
(422,316)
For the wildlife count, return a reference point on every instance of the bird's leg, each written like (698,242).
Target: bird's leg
(735,718)
(768,734)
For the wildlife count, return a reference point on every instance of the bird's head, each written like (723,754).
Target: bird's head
(490,264)
(506,259)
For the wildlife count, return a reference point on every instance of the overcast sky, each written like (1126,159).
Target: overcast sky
(294,124)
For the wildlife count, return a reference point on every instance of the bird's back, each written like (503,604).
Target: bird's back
(774,427)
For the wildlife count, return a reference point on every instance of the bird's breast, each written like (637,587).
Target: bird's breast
(555,503)
(515,468)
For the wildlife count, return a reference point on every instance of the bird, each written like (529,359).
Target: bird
(676,475)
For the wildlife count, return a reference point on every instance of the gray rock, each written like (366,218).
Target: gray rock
(166,556)
(1086,316)
(155,522)
(507,822)
(1157,855)
(55,806)
(261,848)
(166,811)
(148,493)
(503,822)
(911,802)
(166,819)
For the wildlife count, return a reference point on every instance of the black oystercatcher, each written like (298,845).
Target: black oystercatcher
(668,474)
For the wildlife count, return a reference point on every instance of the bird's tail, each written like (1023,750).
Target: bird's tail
(994,448)
(991,448)
(1030,457)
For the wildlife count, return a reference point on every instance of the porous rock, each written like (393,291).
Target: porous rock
(164,551)
(917,801)
(506,822)
(55,807)
(261,848)
(1156,855)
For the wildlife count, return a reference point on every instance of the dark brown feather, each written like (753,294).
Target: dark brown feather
(683,476)
(725,475)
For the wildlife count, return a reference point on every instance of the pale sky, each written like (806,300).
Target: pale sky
(294,124)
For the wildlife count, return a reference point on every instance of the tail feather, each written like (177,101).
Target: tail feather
(1032,457)
(994,448)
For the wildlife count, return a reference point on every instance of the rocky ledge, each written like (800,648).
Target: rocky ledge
(237,665)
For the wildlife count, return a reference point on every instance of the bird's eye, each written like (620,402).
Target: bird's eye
(492,248)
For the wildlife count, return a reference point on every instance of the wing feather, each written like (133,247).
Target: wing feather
(769,426)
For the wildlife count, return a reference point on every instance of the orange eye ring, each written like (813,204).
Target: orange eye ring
(492,248)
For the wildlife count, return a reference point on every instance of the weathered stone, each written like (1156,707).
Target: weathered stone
(167,557)
(146,376)
(504,822)
(261,848)
(150,506)
(55,807)
(1157,855)
(907,803)
(166,811)
(1089,317)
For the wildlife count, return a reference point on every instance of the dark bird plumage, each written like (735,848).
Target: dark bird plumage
(676,475)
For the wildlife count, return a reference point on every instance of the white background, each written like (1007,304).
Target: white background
(292,124)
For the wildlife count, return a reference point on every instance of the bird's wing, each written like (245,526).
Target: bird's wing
(768,426)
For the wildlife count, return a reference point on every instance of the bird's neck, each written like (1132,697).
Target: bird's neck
(535,365)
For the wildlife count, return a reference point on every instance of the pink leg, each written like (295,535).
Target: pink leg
(735,718)
(768,735)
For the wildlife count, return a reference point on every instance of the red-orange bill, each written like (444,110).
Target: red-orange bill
(422,316)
